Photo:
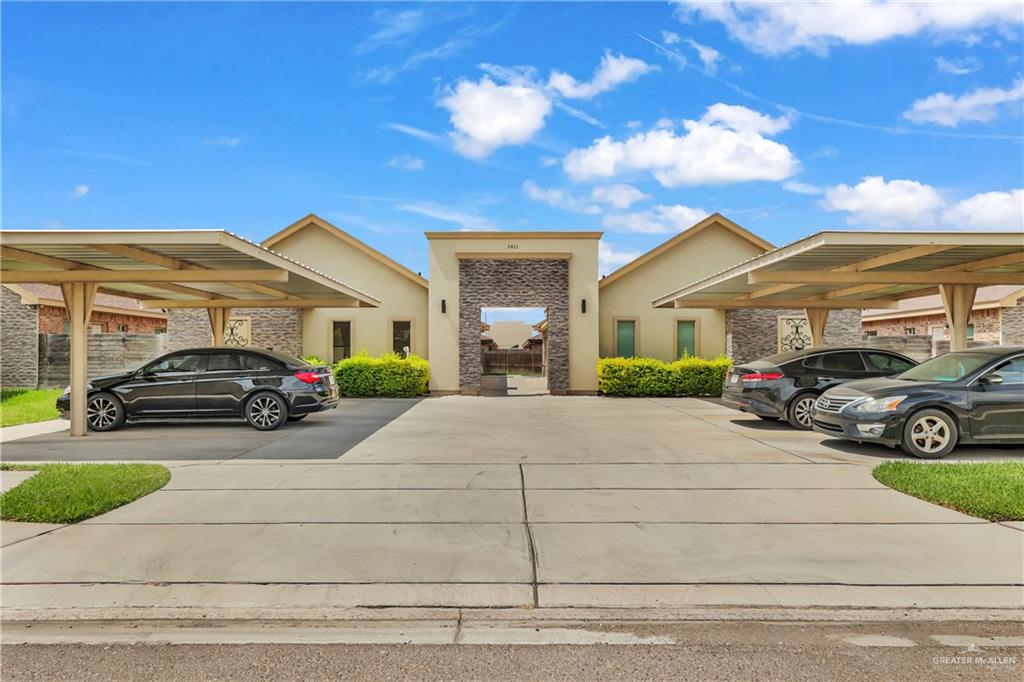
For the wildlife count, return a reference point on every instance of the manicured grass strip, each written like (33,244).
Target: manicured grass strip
(25,406)
(988,490)
(69,493)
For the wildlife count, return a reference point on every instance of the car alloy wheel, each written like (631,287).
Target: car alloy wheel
(930,434)
(265,412)
(800,411)
(103,413)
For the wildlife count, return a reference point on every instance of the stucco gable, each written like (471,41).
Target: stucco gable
(283,241)
(715,222)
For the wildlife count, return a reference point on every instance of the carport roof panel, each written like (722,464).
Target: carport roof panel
(199,249)
(824,251)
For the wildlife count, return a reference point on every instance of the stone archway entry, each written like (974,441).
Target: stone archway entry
(521,282)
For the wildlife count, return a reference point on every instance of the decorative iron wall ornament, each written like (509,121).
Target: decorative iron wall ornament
(794,333)
(239,332)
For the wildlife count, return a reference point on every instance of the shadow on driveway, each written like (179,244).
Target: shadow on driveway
(326,435)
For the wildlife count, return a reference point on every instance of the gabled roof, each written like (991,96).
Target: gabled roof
(713,219)
(999,296)
(316,221)
(51,295)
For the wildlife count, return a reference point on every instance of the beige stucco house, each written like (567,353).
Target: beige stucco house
(587,317)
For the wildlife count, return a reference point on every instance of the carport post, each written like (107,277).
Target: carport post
(817,317)
(219,323)
(78,300)
(958,299)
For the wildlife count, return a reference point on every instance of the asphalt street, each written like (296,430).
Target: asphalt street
(692,650)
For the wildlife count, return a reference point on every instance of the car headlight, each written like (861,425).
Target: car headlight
(66,391)
(881,404)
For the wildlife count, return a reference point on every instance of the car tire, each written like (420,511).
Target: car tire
(297,417)
(266,411)
(929,434)
(799,411)
(104,412)
(767,418)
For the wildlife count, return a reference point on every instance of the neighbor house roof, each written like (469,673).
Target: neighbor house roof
(50,295)
(1000,296)
(713,219)
(313,220)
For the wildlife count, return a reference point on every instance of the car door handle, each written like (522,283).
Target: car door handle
(826,378)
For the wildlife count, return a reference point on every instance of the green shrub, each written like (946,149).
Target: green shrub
(651,377)
(389,376)
(314,360)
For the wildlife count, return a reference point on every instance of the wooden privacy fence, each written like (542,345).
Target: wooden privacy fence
(513,361)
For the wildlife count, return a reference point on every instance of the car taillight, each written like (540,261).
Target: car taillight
(762,376)
(307,377)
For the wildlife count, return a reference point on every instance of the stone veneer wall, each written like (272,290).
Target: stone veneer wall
(499,283)
(986,325)
(752,333)
(19,341)
(277,329)
(1011,325)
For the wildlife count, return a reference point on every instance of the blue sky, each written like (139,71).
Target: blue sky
(393,119)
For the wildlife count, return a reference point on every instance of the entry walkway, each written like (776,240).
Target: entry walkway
(550,502)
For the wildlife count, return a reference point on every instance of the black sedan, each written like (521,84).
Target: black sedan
(974,396)
(786,385)
(264,387)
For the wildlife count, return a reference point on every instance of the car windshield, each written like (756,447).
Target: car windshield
(948,367)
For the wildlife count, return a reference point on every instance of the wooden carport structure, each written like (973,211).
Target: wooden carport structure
(857,270)
(210,269)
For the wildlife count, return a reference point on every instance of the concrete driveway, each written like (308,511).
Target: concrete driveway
(541,501)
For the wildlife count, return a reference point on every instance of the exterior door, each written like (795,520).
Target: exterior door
(686,338)
(997,410)
(164,387)
(625,338)
(341,334)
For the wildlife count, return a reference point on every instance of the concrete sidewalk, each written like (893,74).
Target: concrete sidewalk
(542,502)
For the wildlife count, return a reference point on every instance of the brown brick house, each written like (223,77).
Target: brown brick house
(34,328)
(997,317)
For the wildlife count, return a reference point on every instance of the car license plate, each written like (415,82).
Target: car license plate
(735,378)
(330,379)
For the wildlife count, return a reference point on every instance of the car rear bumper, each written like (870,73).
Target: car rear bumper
(872,428)
(751,401)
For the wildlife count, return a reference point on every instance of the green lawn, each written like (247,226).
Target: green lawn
(69,493)
(988,490)
(25,405)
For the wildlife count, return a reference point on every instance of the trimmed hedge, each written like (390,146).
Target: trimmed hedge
(389,376)
(650,377)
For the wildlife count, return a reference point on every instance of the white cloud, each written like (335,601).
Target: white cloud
(988,211)
(826,152)
(774,28)
(412,131)
(670,38)
(407,162)
(664,122)
(618,196)
(632,125)
(431,209)
(709,56)
(487,115)
(727,145)
(79,191)
(223,141)
(557,198)
(395,28)
(958,67)
(548,161)
(981,105)
(657,220)
(802,188)
(611,72)
(875,202)
(609,258)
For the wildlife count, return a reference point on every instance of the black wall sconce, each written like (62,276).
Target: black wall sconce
(583,306)
(444,306)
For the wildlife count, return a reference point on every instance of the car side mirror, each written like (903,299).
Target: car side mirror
(991,379)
